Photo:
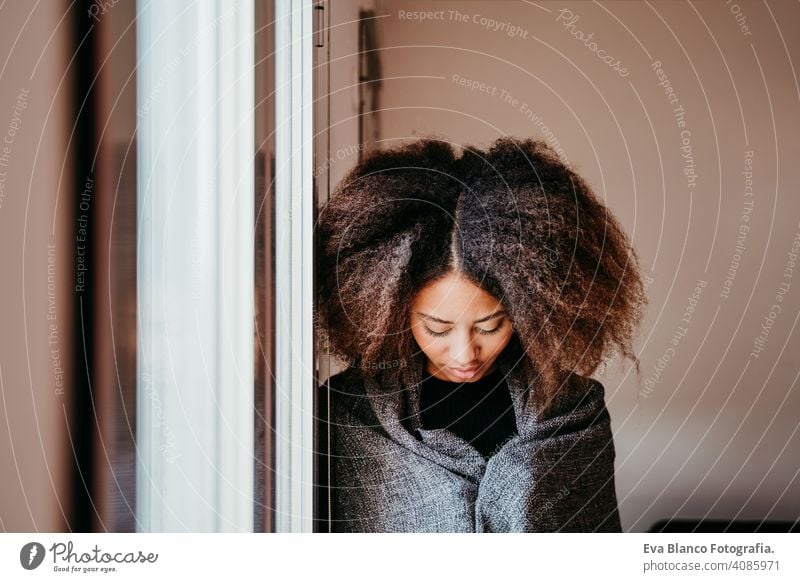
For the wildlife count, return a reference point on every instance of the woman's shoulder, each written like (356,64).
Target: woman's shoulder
(591,386)
(582,390)
(348,382)
(578,404)
(344,394)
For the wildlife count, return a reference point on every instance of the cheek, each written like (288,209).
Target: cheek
(430,346)
(425,342)
(498,342)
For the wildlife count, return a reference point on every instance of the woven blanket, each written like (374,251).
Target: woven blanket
(381,471)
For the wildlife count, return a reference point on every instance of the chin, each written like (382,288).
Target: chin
(470,381)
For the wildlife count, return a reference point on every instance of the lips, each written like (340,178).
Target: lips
(466,370)
(465,373)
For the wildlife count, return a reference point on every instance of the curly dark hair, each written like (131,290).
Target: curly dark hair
(513,219)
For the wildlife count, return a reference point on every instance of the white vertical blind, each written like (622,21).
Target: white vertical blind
(195,356)
(294,205)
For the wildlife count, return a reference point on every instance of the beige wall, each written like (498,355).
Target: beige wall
(34,448)
(716,435)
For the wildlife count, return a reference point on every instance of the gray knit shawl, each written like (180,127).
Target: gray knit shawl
(380,471)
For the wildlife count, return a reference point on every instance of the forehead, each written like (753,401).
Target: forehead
(453,298)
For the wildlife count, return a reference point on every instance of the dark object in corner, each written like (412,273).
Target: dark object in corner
(723,526)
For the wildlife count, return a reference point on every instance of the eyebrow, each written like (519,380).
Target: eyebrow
(482,319)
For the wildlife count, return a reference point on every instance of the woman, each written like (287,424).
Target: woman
(471,296)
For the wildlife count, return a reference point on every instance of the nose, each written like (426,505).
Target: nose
(463,351)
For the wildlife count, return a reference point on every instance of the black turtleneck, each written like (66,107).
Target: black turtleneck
(480,412)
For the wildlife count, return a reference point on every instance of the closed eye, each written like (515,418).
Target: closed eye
(478,329)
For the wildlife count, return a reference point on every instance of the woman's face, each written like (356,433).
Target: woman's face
(461,328)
